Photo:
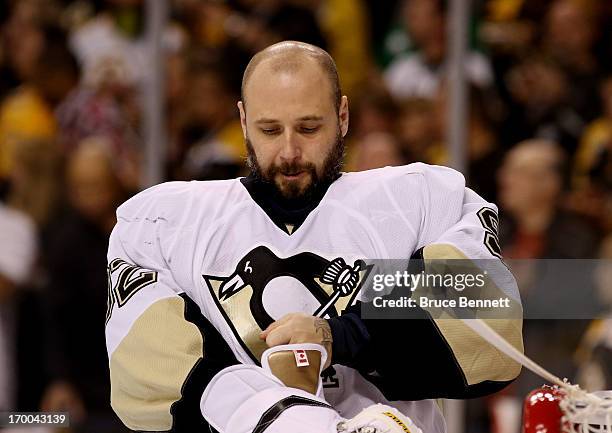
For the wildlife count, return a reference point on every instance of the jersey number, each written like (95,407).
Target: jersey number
(490,221)
(130,280)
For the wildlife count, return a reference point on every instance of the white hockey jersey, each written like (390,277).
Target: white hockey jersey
(198,269)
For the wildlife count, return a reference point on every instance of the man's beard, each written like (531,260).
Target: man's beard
(332,165)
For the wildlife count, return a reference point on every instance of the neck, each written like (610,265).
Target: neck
(313,196)
(281,210)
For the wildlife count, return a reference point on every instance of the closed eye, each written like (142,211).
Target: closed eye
(270,131)
(309,130)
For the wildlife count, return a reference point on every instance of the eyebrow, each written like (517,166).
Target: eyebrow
(315,118)
(302,119)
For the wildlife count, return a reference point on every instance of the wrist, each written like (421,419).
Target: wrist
(323,330)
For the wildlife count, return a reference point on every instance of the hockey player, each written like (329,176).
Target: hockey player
(205,275)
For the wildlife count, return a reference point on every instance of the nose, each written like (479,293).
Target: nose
(290,147)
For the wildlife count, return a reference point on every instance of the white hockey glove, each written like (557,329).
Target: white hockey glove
(379,418)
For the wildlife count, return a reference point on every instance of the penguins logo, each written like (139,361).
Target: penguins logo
(264,286)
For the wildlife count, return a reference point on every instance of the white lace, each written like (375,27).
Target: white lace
(585,412)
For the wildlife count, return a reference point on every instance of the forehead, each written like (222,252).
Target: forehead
(279,89)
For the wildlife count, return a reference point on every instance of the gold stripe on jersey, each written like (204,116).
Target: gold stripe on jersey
(479,360)
(150,366)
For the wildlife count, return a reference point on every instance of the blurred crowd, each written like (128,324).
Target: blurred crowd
(72,75)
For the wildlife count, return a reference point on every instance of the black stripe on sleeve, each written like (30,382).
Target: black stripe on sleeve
(186,413)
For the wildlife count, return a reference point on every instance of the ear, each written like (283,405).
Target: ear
(242,118)
(344,116)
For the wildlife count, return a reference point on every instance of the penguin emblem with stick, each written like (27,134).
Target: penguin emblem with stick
(343,278)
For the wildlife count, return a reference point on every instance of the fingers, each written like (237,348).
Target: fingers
(296,328)
(288,329)
(282,334)
(274,325)
(285,319)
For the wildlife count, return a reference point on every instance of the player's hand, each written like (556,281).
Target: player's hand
(295,328)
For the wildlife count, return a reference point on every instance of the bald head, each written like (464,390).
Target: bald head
(293,56)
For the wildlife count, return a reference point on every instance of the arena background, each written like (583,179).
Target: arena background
(100,99)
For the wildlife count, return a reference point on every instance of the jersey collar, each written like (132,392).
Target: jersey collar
(281,211)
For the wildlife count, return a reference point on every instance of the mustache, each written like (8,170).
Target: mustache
(291,169)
